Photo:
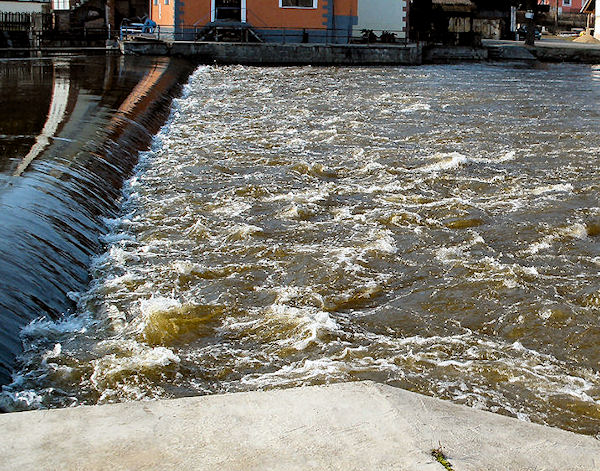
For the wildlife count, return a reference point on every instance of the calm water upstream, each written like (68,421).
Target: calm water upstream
(435,228)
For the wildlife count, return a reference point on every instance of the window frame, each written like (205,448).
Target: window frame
(315,5)
(61,5)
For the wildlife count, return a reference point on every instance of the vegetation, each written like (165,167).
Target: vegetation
(368,36)
(387,37)
(438,454)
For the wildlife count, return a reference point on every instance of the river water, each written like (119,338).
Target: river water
(435,228)
(70,133)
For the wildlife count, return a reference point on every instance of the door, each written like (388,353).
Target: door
(228,10)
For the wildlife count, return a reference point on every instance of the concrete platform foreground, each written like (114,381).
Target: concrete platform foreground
(350,426)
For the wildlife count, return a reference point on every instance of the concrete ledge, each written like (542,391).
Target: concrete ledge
(513,52)
(569,52)
(450,54)
(543,51)
(350,426)
(280,54)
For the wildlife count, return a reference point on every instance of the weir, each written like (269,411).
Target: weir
(308,225)
(61,180)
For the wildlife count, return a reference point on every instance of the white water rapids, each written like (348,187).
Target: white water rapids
(436,228)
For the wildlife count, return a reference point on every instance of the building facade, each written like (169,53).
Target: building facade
(593,17)
(564,6)
(338,21)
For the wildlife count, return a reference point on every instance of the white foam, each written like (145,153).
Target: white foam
(188,268)
(45,328)
(558,188)
(304,371)
(232,208)
(110,369)
(507,157)
(384,242)
(243,231)
(445,162)
(23,400)
(122,280)
(311,323)
(576,231)
(449,254)
(536,247)
(158,304)
(416,107)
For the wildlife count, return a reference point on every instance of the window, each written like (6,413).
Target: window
(566,3)
(298,3)
(155,2)
(166,2)
(60,4)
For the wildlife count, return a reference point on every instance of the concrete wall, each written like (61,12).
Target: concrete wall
(363,54)
(583,53)
(450,54)
(281,54)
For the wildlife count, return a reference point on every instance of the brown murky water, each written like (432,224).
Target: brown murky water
(434,228)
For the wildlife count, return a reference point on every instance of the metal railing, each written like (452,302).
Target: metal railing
(77,33)
(238,32)
(130,28)
(25,21)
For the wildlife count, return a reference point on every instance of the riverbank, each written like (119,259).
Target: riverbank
(347,426)
(364,54)
(334,54)
(52,51)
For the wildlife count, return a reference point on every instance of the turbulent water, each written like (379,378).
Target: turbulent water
(69,135)
(434,228)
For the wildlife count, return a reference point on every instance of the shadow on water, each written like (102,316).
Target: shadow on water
(70,135)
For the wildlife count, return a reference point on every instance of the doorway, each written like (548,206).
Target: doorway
(228,10)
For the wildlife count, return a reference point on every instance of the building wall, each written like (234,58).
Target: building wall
(163,12)
(25,7)
(329,19)
(268,13)
(382,15)
(488,28)
(190,12)
(566,6)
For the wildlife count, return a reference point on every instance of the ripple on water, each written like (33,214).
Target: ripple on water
(417,233)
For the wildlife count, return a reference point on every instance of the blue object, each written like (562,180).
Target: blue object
(149,26)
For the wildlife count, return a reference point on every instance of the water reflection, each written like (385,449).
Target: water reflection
(57,114)
(74,129)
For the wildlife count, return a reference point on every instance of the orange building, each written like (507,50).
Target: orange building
(564,6)
(279,20)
